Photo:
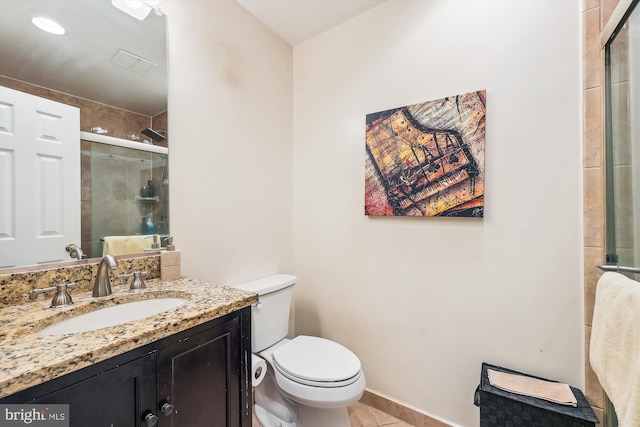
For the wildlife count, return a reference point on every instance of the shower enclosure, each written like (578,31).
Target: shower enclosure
(622,153)
(622,74)
(124,190)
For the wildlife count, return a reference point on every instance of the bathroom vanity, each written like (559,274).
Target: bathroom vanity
(185,367)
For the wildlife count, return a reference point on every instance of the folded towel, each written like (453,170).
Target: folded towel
(534,387)
(615,344)
(126,245)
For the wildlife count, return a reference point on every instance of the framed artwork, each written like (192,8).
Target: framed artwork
(427,159)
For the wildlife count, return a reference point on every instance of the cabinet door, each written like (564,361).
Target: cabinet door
(119,397)
(201,377)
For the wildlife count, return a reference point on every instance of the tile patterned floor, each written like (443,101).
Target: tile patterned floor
(362,415)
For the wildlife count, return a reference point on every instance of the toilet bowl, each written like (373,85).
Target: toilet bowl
(310,381)
(316,372)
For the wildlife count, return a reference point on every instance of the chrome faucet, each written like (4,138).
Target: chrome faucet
(75,251)
(102,286)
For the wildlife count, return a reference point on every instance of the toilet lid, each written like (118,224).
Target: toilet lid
(316,359)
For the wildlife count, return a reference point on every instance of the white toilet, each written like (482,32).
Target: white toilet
(310,381)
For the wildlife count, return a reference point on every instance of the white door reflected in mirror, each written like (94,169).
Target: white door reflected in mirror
(39,145)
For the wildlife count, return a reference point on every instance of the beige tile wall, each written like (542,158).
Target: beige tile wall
(595,15)
(120,123)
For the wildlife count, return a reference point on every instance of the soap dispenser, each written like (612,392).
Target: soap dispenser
(147,225)
(155,245)
(151,229)
(169,241)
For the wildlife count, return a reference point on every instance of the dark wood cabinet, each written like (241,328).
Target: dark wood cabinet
(200,378)
(118,397)
(196,378)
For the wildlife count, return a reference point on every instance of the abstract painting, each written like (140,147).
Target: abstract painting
(427,159)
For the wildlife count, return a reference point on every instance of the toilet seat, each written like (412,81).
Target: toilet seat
(317,362)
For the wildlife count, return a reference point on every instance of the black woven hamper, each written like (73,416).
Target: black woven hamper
(499,408)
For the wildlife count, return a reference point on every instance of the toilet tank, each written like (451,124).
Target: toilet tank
(270,316)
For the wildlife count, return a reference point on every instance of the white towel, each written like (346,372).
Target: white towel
(126,245)
(615,344)
(520,384)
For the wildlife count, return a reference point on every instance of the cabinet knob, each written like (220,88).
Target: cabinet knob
(150,419)
(166,409)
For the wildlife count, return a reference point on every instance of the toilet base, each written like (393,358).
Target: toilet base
(273,409)
(267,419)
(307,417)
(314,417)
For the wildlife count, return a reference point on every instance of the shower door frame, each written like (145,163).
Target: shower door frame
(95,238)
(615,23)
(618,19)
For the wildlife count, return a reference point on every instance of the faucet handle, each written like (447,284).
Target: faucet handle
(62,297)
(137,282)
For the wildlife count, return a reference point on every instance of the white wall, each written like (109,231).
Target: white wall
(230,126)
(423,301)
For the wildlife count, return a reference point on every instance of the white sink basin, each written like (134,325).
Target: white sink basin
(111,316)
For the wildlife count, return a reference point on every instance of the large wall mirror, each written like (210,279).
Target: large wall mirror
(112,66)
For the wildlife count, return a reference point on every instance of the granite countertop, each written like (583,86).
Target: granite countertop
(30,358)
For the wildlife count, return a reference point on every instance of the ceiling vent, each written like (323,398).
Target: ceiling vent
(132,62)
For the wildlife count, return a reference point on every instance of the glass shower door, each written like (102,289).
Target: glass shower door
(622,154)
(623,147)
(129,193)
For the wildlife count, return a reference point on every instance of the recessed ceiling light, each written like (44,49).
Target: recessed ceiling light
(46,24)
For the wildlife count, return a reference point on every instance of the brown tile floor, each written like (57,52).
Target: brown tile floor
(362,415)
